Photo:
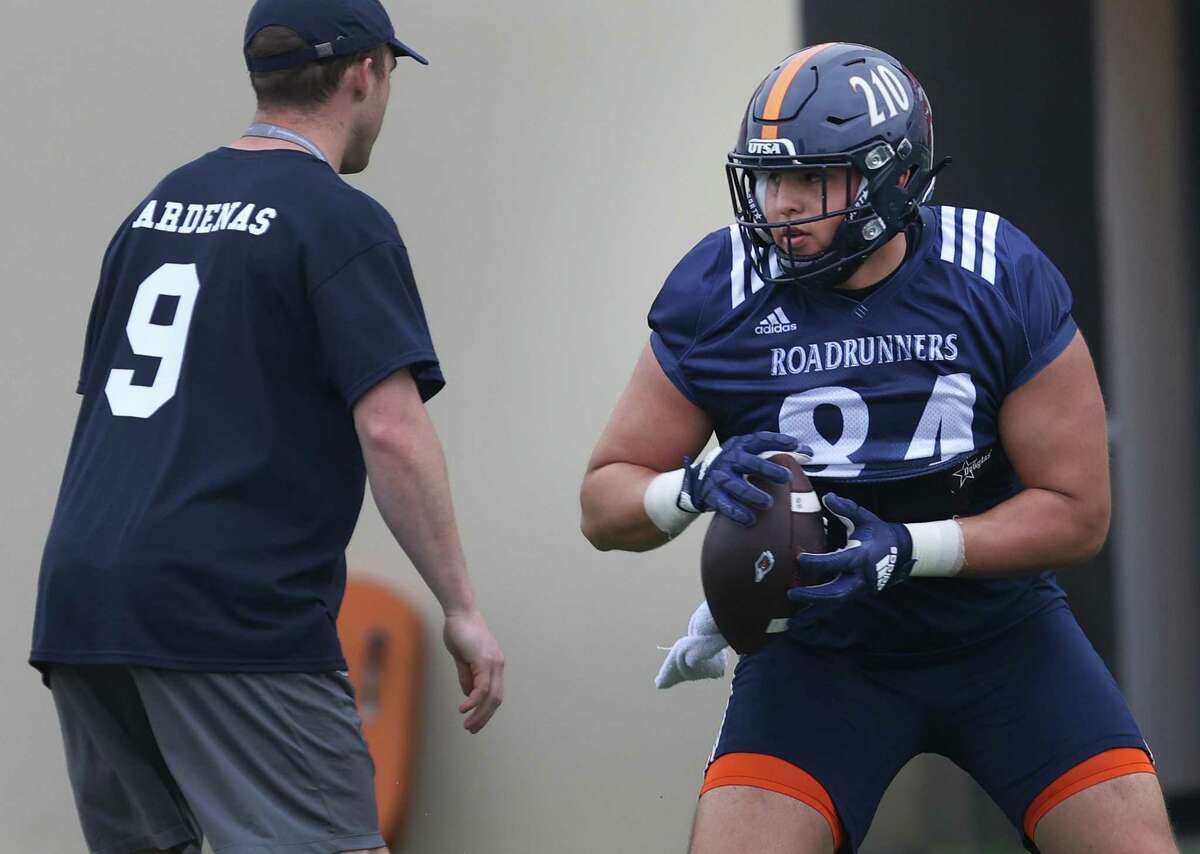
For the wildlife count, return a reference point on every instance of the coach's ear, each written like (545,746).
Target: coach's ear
(360,77)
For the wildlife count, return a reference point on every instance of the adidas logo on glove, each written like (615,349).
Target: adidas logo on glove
(774,323)
(883,569)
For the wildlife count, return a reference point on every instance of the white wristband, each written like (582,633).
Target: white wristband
(938,548)
(660,502)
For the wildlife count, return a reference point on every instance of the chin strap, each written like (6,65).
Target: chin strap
(829,278)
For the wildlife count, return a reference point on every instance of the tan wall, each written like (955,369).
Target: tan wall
(546,171)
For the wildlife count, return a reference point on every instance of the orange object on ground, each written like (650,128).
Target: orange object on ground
(760,771)
(1103,766)
(383,645)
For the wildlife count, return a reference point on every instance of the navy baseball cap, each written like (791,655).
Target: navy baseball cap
(331,27)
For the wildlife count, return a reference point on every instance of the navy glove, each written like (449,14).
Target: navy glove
(877,555)
(718,482)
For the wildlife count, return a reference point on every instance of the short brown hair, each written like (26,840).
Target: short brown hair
(305,87)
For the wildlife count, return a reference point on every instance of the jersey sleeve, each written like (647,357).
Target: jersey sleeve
(677,316)
(371,324)
(1041,300)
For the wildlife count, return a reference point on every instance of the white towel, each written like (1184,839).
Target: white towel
(700,654)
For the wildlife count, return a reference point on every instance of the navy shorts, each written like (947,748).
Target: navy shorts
(1016,712)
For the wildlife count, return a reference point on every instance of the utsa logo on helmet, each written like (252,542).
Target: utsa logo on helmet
(771,146)
(834,106)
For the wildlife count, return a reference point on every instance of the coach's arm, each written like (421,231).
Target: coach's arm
(407,471)
(1053,430)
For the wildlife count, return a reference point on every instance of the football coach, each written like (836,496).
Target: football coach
(256,351)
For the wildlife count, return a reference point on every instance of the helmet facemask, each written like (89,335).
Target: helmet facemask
(891,187)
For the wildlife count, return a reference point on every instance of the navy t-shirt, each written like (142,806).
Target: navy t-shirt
(215,476)
(904,383)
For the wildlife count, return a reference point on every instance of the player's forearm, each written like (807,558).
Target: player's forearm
(407,472)
(1032,530)
(614,514)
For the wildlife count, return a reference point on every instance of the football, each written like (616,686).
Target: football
(746,572)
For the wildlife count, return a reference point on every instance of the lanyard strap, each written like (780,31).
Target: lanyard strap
(269,131)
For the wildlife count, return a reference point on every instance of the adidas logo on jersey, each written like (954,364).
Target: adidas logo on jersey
(774,323)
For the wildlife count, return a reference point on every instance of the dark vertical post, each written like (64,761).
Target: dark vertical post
(1012,92)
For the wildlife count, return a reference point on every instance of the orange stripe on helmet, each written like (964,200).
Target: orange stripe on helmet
(782,82)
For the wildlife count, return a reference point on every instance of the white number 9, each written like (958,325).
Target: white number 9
(151,339)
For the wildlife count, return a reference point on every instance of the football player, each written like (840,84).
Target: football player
(256,350)
(926,361)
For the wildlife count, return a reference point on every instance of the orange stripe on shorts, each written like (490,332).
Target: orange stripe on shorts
(759,771)
(1103,766)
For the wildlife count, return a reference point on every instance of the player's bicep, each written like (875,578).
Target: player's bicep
(653,424)
(1054,431)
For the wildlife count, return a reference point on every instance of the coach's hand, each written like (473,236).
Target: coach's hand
(718,482)
(877,556)
(480,666)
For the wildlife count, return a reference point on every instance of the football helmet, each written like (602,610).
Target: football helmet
(834,106)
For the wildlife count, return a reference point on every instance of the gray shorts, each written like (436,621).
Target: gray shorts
(261,763)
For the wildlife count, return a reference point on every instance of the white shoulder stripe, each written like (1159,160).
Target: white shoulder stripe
(991,222)
(773,265)
(968,239)
(737,270)
(947,233)
(756,283)
(977,244)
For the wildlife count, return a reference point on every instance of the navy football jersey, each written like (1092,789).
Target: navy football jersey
(215,476)
(901,388)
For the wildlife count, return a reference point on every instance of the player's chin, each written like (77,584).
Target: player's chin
(800,248)
(801,252)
